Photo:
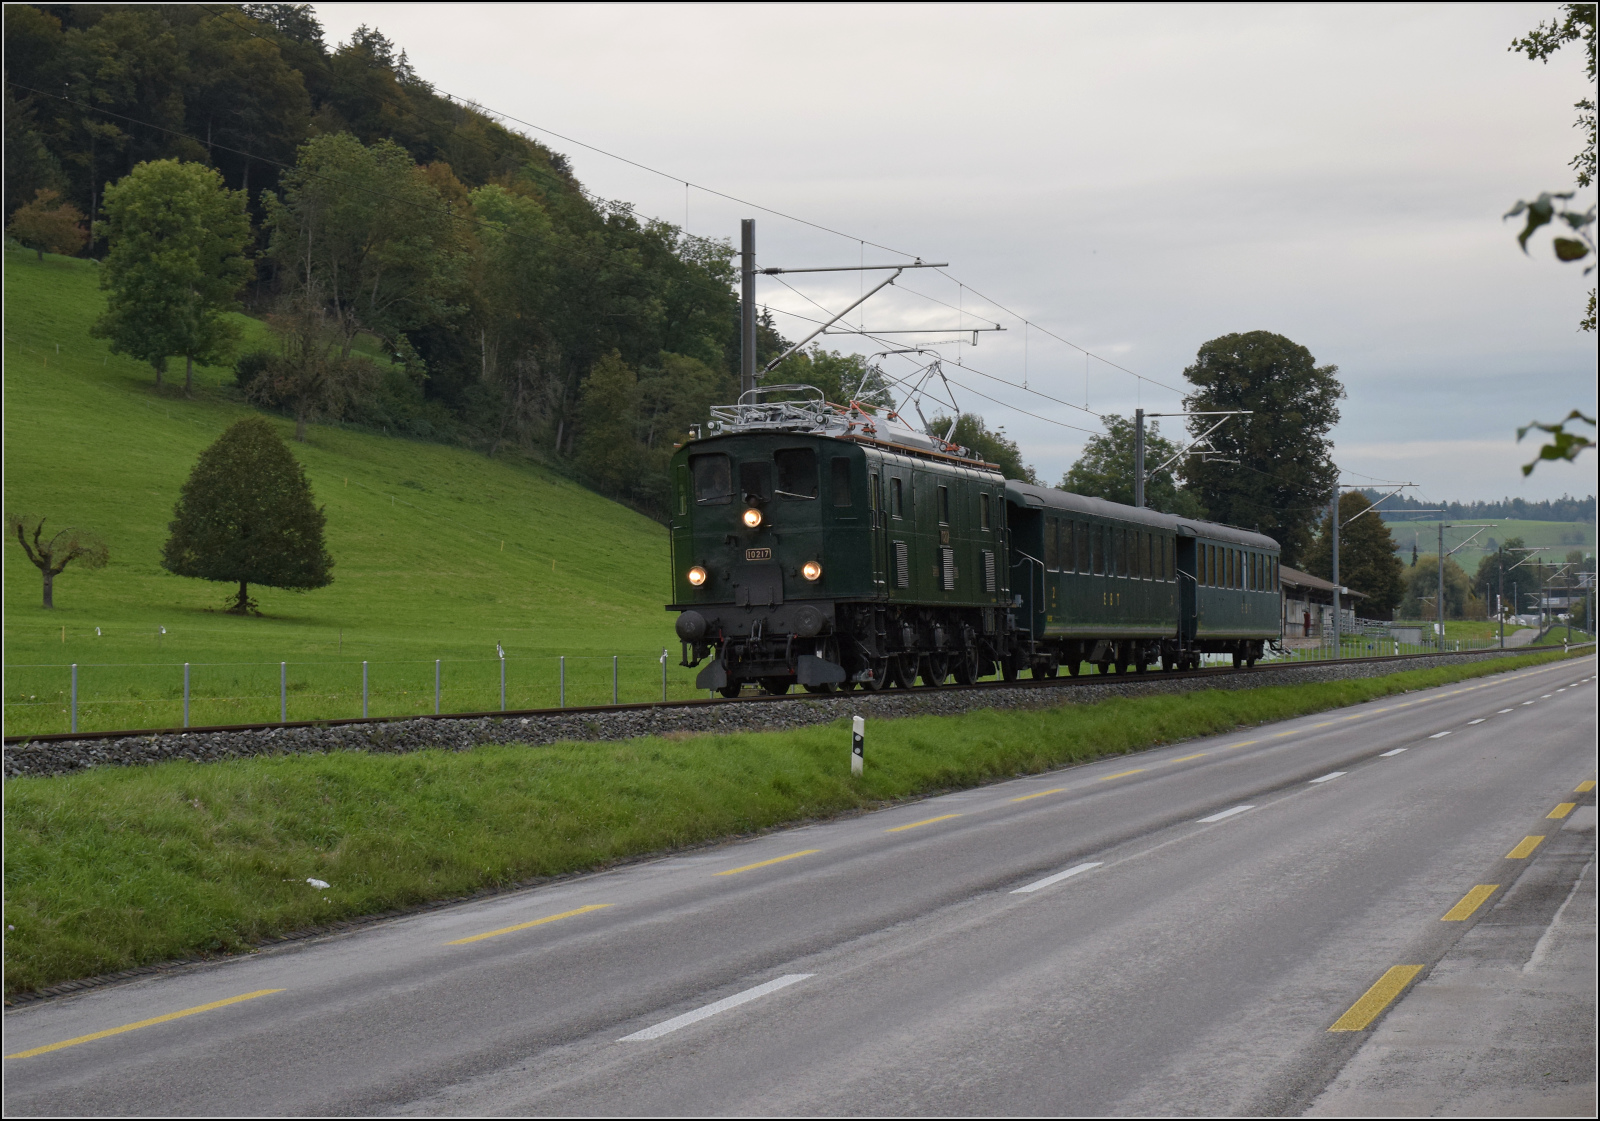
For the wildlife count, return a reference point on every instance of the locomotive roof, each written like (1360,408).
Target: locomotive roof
(1025,494)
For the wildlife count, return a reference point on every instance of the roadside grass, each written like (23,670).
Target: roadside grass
(124,866)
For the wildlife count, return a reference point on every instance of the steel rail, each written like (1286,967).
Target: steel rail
(1065,681)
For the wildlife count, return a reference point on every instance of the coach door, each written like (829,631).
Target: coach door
(1188,598)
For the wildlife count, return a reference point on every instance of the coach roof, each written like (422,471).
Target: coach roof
(1027,495)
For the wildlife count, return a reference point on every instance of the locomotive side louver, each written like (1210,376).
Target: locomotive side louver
(948,556)
(902,565)
(988,570)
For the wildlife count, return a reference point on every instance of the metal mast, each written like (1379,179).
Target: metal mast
(1138,458)
(747,308)
(1338,616)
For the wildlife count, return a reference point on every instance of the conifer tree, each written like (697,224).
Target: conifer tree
(246,516)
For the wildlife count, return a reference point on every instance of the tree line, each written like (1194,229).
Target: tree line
(1563,509)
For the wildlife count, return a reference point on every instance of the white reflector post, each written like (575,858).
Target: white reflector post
(858,732)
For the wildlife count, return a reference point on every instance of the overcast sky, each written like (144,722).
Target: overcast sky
(1136,180)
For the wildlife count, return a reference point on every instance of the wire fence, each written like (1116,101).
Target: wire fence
(43,699)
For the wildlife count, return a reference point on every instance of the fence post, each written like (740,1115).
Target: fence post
(185,694)
(436,686)
(363,690)
(283,692)
(663,674)
(562,702)
(613,679)
(74,696)
(502,682)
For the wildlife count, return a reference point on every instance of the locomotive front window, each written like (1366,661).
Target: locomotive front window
(797,473)
(1052,554)
(755,481)
(713,479)
(841,481)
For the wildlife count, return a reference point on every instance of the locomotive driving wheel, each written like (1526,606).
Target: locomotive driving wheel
(879,668)
(936,670)
(967,668)
(902,670)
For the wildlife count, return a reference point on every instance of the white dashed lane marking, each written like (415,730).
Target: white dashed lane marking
(1387,754)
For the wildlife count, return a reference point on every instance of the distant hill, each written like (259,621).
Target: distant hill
(1563,509)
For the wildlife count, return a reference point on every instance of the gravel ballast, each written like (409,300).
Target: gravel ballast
(60,757)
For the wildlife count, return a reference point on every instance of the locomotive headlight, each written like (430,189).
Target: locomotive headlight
(752,517)
(697,576)
(812,570)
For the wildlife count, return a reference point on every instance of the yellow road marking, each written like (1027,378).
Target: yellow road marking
(1286,733)
(1524,848)
(1377,998)
(1186,758)
(1470,902)
(1040,794)
(1121,774)
(925,821)
(526,925)
(141,1024)
(1561,811)
(1324,724)
(1383,709)
(1584,787)
(1241,743)
(764,863)
(1356,716)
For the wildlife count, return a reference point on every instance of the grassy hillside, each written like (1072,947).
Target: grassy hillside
(440,553)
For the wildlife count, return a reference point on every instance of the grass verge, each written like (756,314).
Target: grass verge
(118,867)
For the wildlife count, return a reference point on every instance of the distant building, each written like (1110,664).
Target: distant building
(1308,605)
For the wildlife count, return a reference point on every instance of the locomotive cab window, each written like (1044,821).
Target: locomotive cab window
(944,505)
(841,481)
(797,473)
(713,479)
(755,481)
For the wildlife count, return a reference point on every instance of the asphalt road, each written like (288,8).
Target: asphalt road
(898,962)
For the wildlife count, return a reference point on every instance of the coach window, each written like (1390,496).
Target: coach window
(983,511)
(1211,566)
(797,472)
(841,481)
(1097,556)
(1052,555)
(1084,563)
(944,505)
(713,479)
(896,497)
(1169,548)
(1068,547)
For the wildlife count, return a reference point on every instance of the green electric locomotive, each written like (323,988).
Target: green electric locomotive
(818,546)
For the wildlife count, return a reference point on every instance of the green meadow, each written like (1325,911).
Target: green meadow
(440,555)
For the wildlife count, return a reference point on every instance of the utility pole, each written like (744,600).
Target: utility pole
(747,310)
(1500,596)
(1438,607)
(1138,458)
(1338,619)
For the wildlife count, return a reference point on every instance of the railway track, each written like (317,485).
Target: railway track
(1064,682)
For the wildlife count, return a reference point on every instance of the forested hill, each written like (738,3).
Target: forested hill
(523,315)
(1563,509)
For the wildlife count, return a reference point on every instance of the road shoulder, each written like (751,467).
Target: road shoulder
(1504,1025)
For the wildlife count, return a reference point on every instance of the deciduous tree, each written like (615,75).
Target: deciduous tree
(176,264)
(1105,469)
(1272,470)
(246,516)
(1367,561)
(51,556)
(48,225)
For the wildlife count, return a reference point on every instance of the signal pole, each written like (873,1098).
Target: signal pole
(747,308)
(1338,618)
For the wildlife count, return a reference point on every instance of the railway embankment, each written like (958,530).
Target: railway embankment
(65,756)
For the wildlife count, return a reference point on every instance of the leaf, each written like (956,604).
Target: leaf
(1570,249)
(1566,445)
